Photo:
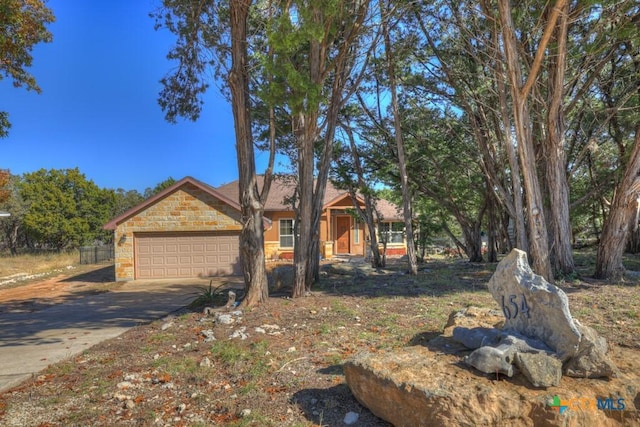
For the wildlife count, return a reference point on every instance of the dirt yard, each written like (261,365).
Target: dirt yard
(281,363)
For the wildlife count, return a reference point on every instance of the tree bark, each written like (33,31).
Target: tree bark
(252,256)
(305,126)
(539,242)
(522,242)
(368,211)
(554,154)
(618,225)
(412,260)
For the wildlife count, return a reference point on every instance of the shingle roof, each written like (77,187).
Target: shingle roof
(283,187)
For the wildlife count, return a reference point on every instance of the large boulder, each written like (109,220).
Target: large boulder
(534,307)
(418,386)
(539,310)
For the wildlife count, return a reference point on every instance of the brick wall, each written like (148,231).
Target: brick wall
(186,209)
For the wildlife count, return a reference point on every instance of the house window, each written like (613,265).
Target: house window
(356,232)
(286,233)
(391,232)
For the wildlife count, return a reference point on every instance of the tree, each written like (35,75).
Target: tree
(5,179)
(349,173)
(64,209)
(12,226)
(125,200)
(314,49)
(150,192)
(407,211)
(22,26)
(216,37)
(520,92)
(620,222)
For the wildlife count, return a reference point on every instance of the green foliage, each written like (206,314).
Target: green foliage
(22,26)
(65,210)
(201,30)
(125,200)
(149,192)
(209,296)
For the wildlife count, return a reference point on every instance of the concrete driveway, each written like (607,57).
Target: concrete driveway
(29,342)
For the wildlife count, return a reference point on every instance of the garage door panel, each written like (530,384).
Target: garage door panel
(176,255)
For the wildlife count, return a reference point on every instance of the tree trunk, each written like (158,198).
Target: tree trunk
(539,242)
(521,241)
(492,227)
(367,215)
(618,225)
(252,256)
(554,154)
(304,128)
(412,260)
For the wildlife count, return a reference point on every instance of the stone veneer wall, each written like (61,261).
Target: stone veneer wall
(187,209)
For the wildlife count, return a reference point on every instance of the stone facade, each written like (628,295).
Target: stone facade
(188,208)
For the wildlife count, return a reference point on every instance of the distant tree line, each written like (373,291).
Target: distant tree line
(60,209)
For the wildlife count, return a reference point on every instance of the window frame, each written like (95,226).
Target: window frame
(391,232)
(281,235)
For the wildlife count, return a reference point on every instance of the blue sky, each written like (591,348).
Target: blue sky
(98,108)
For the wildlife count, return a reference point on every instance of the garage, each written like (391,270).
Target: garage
(186,254)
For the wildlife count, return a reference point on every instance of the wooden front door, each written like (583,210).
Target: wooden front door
(343,233)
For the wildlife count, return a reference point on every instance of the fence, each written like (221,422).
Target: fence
(96,254)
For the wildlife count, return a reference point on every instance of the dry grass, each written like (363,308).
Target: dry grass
(167,374)
(32,264)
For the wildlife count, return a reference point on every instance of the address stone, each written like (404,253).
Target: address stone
(534,307)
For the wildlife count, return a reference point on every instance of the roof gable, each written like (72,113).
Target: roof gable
(283,187)
(111,225)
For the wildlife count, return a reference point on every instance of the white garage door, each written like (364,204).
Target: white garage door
(192,254)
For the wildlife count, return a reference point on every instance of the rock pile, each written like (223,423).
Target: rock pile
(539,334)
(534,334)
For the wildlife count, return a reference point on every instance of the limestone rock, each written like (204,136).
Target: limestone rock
(472,317)
(491,360)
(534,307)
(399,387)
(418,386)
(540,369)
(350,269)
(591,360)
(477,337)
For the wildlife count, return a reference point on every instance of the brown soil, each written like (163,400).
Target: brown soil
(289,371)
(33,295)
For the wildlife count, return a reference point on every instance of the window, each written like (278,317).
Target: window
(286,233)
(391,232)
(356,231)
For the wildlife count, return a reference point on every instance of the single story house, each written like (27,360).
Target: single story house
(191,229)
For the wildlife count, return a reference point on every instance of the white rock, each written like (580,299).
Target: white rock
(224,319)
(351,418)
(124,385)
(206,363)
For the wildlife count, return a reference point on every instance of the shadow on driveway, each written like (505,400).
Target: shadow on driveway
(30,341)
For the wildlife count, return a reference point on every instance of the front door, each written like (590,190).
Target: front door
(343,233)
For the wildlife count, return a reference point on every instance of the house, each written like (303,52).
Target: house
(191,229)
(340,232)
